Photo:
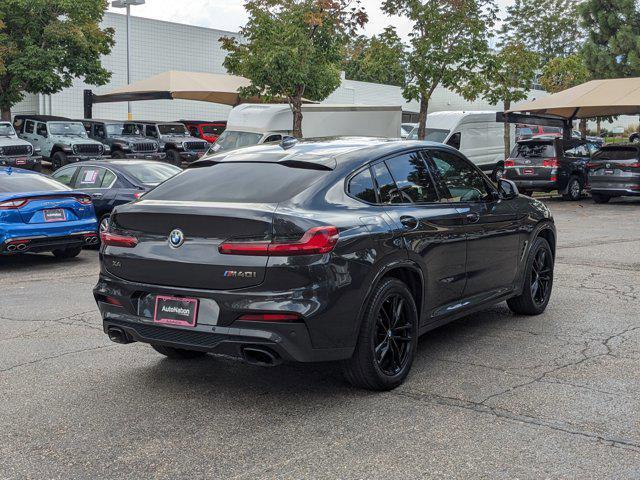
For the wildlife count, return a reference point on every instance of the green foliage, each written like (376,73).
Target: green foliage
(562,73)
(45,44)
(612,48)
(293,48)
(548,27)
(448,46)
(509,74)
(379,59)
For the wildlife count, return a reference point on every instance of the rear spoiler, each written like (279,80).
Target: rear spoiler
(324,164)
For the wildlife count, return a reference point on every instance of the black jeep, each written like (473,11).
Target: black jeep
(124,139)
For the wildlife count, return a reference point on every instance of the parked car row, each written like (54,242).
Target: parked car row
(15,152)
(62,141)
(550,163)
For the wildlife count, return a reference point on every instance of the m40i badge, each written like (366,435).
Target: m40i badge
(240,274)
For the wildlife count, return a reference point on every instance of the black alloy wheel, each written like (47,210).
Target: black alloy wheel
(541,277)
(387,339)
(537,282)
(393,335)
(574,190)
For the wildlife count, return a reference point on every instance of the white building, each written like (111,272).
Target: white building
(158,46)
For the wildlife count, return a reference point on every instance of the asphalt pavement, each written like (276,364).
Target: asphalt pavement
(492,395)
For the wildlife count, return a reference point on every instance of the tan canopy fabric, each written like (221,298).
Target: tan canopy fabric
(597,98)
(204,87)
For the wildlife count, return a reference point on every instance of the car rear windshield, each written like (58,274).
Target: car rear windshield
(533,150)
(151,174)
(249,182)
(616,153)
(29,183)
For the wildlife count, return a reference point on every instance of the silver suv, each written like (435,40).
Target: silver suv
(175,140)
(15,152)
(60,140)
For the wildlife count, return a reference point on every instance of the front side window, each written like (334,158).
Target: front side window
(454,140)
(99,129)
(150,131)
(457,179)
(41,130)
(361,186)
(29,126)
(65,175)
(412,178)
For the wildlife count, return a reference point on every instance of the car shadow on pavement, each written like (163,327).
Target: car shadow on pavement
(9,263)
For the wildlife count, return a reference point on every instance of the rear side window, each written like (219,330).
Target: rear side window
(533,150)
(29,183)
(90,177)
(616,153)
(412,179)
(65,175)
(361,186)
(237,182)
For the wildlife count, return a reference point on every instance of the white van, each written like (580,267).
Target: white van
(254,123)
(476,134)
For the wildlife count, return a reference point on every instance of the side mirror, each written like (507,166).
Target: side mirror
(507,189)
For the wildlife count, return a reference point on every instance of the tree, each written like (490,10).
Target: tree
(448,46)
(509,74)
(379,59)
(562,73)
(45,44)
(293,49)
(548,27)
(612,48)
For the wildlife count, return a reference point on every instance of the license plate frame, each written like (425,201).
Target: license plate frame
(54,215)
(172,315)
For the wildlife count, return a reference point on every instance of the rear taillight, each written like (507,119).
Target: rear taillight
(316,240)
(593,165)
(137,195)
(270,317)
(83,199)
(13,204)
(633,165)
(114,240)
(550,162)
(509,163)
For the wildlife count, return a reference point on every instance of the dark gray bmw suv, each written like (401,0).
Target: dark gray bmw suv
(346,249)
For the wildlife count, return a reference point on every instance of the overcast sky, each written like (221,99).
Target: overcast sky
(230,15)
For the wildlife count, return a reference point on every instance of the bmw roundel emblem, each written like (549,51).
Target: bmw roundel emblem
(176,238)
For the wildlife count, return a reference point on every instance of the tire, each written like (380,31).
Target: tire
(178,353)
(574,190)
(118,154)
(67,252)
(104,223)
(58,160)
(529,301)
(497,173)
(371,371)
(173,157)
(600,198)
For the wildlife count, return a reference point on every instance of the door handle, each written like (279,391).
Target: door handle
(409,222)
(473,217)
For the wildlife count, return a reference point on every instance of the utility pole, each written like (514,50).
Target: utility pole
(127,4)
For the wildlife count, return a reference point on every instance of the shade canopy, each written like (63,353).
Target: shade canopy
(174,85)
(597,98)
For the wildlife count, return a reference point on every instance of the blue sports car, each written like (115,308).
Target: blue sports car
(39,214)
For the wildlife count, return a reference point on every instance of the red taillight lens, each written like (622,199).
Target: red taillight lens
(633,165)
(111,239)
(84,200)
(270,317)
(137,195)
(509,163)
(593,165)
(316,240)
(13,204)
(550,162)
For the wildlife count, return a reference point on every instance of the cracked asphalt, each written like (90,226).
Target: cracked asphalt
(492,395)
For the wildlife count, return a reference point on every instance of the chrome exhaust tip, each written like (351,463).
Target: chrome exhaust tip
(11,248)
(21,247)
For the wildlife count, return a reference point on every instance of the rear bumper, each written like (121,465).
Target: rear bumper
(46,243)
(217,330)
(538,185)
(616,192)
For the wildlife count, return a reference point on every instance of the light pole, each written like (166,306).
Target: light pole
(127,4)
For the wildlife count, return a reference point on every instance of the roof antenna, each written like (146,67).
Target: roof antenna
(288,141)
